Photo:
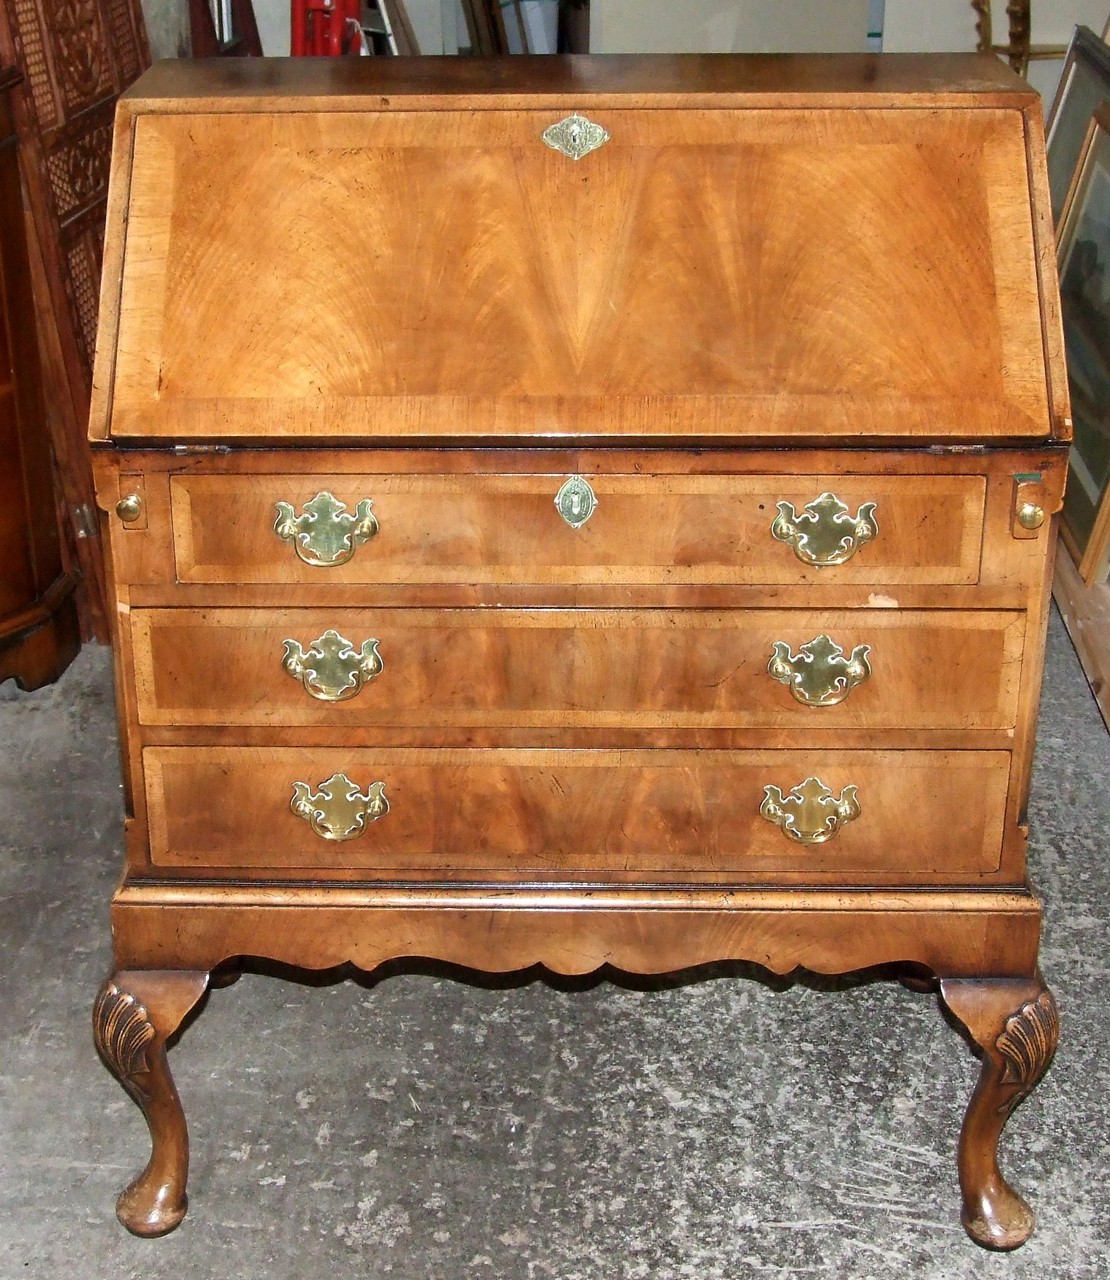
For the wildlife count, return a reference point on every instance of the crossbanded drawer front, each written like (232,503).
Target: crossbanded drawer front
(651,529)
(897,816)
(875,669)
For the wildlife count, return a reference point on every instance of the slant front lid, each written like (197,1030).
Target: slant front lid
(687,273)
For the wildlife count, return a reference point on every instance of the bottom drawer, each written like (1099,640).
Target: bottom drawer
(460,814)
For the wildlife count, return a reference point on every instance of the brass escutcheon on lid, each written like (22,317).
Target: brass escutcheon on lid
(575,136)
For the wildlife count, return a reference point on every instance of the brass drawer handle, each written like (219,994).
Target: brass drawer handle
(338,811)
(326,533)
(331,668)
(819,675)
(825,534)
(809,813)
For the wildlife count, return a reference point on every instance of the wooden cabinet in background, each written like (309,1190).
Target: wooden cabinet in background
(75,57)
(39,633)
(580,512)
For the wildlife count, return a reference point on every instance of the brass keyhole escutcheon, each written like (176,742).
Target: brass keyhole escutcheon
(130,508)
(575,136)
(576,501)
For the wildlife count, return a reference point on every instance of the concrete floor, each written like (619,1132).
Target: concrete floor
(428,1129)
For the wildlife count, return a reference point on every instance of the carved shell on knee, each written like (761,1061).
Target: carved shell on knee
(1028,1041)
(122,1029)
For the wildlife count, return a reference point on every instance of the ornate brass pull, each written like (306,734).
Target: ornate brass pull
(331,668)
(326,533)
(824,534)
(819,675)
(809,813)
(338,811)
(575,136)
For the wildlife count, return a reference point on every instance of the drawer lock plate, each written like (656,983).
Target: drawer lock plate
(576,501)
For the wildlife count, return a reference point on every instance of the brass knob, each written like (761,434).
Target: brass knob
(1030,516)
(129,508)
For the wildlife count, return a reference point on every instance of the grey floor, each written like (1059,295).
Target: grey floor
(425,1128)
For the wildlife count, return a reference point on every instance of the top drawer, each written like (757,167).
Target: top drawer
(640,529)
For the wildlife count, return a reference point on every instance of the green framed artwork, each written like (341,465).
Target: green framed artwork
(1083,259)
(1084,87)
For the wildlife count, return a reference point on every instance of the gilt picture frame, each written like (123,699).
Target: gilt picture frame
(1083,261)
(1084,85)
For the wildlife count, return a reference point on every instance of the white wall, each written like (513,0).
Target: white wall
(950,25)
(167,28)
(727,26)
(936,26)
(272,17)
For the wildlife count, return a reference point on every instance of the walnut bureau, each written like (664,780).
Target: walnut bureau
(579,512)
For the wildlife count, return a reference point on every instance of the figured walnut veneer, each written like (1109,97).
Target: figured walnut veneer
(778,289)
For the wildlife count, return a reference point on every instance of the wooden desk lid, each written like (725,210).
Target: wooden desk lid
(388,253)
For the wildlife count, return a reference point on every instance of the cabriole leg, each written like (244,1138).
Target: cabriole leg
(1016,1026)
(134,1015)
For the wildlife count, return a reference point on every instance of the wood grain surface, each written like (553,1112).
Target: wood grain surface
(652,290)
(640,930)
(561,668)
(458,814)
(647,529)
(846,81)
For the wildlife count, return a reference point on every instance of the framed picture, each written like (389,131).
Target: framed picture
(1083,259)
(1084,86)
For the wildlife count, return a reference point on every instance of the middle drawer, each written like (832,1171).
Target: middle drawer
(626,668)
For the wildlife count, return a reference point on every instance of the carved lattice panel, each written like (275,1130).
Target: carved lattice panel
(76,57)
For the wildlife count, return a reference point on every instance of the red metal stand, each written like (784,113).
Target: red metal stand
(323,28)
